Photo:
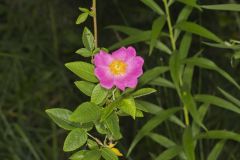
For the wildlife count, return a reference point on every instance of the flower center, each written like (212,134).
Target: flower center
(118,67)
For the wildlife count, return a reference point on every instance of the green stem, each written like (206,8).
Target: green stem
(186,115)
(96,139)
(113,94)
(94,9)
(173,43)
(169,25)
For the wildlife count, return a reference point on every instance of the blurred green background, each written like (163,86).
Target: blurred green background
(38,36)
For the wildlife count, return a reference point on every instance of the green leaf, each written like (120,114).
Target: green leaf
(78,155)
(83,70)
(220,134)
(60,116)
(202,113)
(198,30)
(75,139)
(217,102)
(99,94)
(83,9)
(92,144)
(192,108)
(82,18)
(214,155)
(143,92)
(162,140)
(230,97)
(191,3)
(236,55)
(84,52)
(101,128)
(188,144)
(157,27)
(170,153)
(154,109)
(152,74)
(128,106)
(147,106)
(175,66)
(112,123)
(225,45)
(208,64)
(143,36)
(151,124)
(223,7)
(183,16)
(185,45)
(108,154)
(86,112)
(162,47)
(139,113)
(93,155)
(134,31)
(88,39)
(187,77)
(162,82)
(109,109)
(125,29)
(85,87)
(154,6)
(171,2)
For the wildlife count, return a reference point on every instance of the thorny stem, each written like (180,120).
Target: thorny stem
(96,139)
(169,25)
(94,10)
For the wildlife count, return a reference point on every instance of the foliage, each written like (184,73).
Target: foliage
(195,77)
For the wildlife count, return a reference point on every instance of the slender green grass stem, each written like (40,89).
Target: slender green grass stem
(186,115)
(94,9)
(169,25)
(173,43)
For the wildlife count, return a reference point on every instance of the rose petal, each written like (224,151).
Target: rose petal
(119,84)
(135,66)
(124,54)
(102,59)
(132,83)
(105,78)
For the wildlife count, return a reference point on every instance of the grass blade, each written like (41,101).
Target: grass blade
(223,7)
(154,6)
(150,125)
(198,30)
(217,102)
(216,151)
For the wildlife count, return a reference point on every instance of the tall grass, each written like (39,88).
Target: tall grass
(38,37)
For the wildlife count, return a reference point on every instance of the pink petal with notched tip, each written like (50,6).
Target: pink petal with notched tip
(124,54)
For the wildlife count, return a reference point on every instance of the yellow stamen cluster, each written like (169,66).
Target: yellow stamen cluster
(118,67)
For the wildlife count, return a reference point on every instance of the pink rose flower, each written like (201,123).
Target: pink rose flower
(121,68)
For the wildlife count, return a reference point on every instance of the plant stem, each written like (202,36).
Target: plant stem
(185,110)
(94,9)
(113,94)
(186,115)
(169,25)
(97,140)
